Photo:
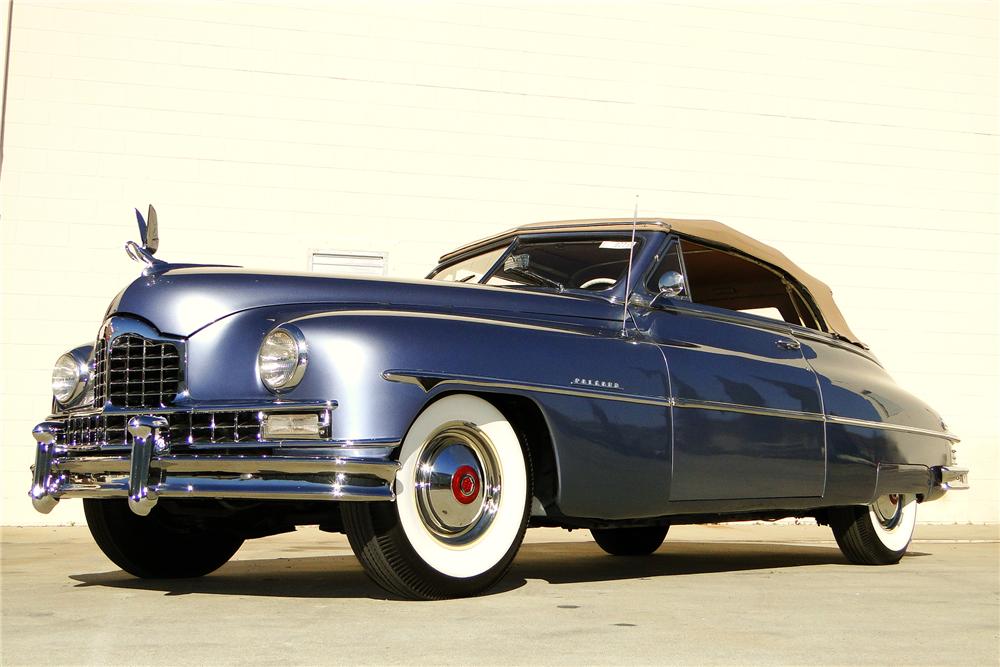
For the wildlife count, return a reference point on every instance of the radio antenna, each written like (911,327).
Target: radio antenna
(628,273)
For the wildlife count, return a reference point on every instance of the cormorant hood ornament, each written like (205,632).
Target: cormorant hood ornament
(149,235)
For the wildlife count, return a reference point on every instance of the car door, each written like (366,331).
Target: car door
(747,412)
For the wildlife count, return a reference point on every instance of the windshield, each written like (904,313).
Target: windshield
(469,270)
(594,264)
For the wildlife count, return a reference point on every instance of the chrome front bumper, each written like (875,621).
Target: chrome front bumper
(143,477)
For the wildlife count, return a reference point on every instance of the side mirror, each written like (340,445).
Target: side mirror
(671,284)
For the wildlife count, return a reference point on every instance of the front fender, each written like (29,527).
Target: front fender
(604,397)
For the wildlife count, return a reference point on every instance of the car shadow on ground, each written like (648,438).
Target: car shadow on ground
(556,563)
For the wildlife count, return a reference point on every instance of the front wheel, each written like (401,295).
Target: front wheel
(462,503)
(158,546)
(878,534)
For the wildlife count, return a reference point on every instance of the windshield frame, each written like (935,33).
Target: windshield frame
(475,252)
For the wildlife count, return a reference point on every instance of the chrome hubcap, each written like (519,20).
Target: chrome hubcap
(457,483)
(888,510)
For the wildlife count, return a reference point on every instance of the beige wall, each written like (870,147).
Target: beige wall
(859,138)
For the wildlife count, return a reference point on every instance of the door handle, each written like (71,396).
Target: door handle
(786,344)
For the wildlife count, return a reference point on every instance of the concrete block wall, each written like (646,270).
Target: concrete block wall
(859,138)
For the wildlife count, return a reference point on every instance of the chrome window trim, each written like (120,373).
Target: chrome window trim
(503,246)
(665,248)
(687,307)
(736,317)
(782,276)
(829,339)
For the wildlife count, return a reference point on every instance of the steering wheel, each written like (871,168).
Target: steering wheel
(599,283)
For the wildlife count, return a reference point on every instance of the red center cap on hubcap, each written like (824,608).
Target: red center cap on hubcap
(465,484)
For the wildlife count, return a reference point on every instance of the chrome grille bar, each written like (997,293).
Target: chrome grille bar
(136,372)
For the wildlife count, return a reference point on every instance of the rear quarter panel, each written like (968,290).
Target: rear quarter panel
(855,387)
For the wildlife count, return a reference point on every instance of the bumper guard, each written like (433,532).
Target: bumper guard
(148,474)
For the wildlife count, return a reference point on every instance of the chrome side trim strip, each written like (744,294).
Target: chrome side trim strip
(864,423)
(748,409)
(420,379)
(425,315)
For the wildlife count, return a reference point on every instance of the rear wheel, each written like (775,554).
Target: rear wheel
(158,546)
(640,541)
(462,502)
(878,534)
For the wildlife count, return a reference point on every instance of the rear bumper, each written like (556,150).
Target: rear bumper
(947,478)
(143,478)
(927,483)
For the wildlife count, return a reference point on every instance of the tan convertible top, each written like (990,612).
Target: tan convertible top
(709,231)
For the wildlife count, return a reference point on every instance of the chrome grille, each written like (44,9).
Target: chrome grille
(100,372)
(96,431)
(102,430)
(136,372)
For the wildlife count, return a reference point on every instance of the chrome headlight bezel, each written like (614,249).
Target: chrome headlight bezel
(80,370)
(293,341)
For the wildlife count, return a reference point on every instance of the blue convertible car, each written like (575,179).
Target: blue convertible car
(615,375)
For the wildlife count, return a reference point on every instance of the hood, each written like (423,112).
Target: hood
(180,301)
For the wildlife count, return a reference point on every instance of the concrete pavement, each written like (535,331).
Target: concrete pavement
(726,594)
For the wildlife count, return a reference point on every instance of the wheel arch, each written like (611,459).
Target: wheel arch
(526,417)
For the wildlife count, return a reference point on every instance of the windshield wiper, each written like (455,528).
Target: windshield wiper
(531,275)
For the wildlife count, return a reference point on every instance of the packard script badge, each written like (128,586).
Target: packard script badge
(587,382)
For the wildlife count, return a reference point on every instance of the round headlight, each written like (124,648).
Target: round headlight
(69,377)
(282,359)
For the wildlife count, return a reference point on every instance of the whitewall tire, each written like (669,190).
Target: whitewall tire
(878,534)
(462,502)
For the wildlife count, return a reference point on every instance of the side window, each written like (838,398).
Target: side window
(727,280)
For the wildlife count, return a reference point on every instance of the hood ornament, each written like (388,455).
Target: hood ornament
(149,235)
